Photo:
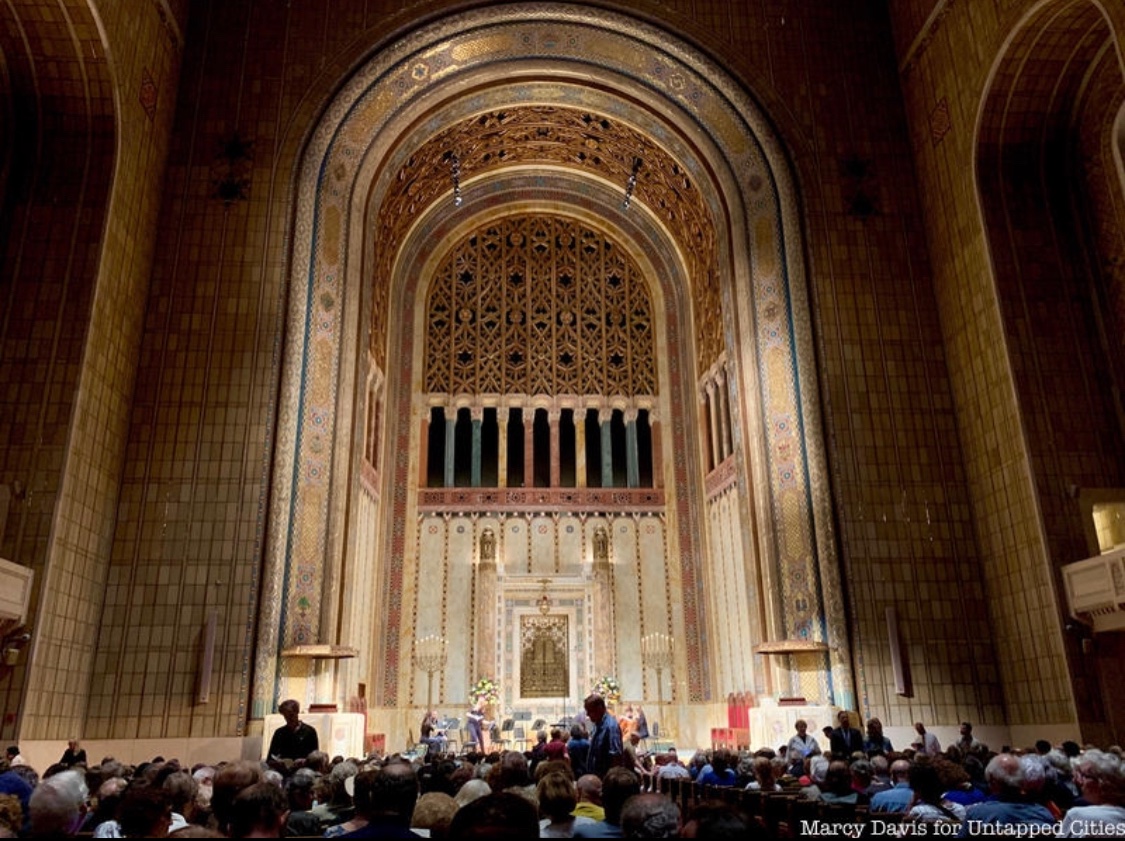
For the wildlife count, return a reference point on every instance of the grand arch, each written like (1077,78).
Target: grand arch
(737,294)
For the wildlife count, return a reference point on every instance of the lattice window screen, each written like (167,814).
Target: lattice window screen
(539,305)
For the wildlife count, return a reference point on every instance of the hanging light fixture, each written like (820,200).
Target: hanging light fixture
(631,184)
(544,600)
(455,176)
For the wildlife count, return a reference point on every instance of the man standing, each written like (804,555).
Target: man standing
(846,739)
(968,743)
(605,743)
(294,739)
(926,743)
(73,755)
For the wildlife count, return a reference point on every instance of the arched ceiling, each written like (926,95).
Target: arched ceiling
(572,144)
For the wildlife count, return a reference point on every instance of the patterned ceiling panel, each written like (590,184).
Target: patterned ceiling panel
(539,305)
(567,138)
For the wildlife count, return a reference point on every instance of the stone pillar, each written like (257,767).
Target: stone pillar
(485,608)
(705,429)
(726,441)
(657,449)
(580,448)
(450,443)
(553,417)
(602,604)
(528,447)
(713,425)
(632,458)
(477,414)
(604,418)
(502,448)
(424,451)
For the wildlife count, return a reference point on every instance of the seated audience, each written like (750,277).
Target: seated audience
(1101,780)
(618,786)
(1013,794)
(299,790)
(929,806)
(229,781)
(557,800)
(433,813)
(145,811)
(589,788)
(899,796)
(650,816)
(499,816)
(57,806)
(722,822)
(384,800)
(259,811)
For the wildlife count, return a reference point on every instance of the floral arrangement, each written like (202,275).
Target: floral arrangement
(608,687)
(485,689)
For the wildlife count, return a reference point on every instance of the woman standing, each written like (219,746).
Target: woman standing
(800,748)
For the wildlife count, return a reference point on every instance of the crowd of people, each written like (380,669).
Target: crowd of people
(585,783)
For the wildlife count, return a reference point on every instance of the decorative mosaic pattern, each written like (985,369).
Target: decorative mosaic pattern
(752,175)
(588,142)
(539,306)
(541,499)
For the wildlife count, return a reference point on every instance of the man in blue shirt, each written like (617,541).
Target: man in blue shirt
(899,796)
(605,742)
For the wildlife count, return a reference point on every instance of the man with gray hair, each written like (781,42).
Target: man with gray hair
(650,816)
(900,795)
(1014,782)
(58,805)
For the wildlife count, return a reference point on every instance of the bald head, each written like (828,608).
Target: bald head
(589,788)
(900,770)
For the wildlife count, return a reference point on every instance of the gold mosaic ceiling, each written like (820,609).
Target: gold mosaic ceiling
(588,143)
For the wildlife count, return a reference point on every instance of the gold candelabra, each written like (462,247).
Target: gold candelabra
(657,650)
(430,655)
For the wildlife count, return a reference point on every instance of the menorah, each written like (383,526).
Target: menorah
(657,651)
(430,655)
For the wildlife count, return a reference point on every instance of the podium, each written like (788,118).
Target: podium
(773,726)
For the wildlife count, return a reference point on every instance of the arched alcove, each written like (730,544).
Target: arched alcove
(357,264)
(1043,153)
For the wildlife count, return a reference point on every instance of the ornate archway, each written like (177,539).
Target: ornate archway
(716,209)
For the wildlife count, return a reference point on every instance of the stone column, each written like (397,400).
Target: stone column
(604,418)
(580,448)
(632,458)
(657,449)
(726,441)
(502,448)
(424,451)
(528,447)
(477,414)
(450,443)
(713,425)
(705,430)
(485,613)
(602,603)
(553,417)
